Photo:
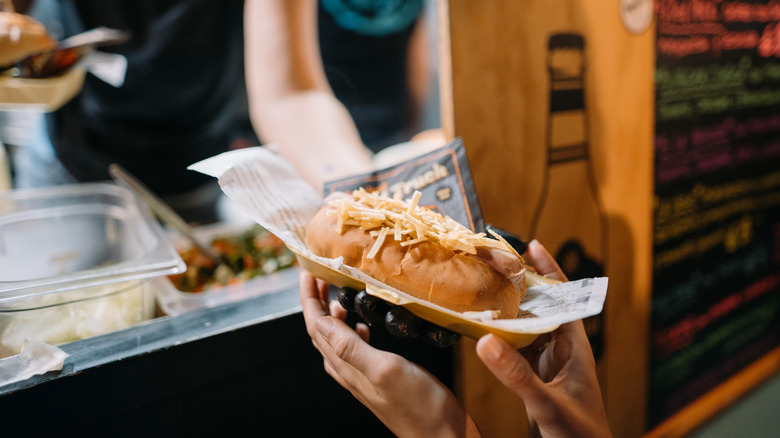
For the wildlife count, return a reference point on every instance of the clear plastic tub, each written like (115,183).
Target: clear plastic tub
(174,302)
(76,261)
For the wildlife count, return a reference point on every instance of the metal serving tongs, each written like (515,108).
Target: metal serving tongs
(162,210)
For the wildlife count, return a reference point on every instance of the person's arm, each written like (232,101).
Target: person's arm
(290,101)
(555,376)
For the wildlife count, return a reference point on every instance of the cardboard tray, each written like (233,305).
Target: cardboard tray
(42,95)
(448,319)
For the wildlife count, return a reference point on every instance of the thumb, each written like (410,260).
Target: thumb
(512,370)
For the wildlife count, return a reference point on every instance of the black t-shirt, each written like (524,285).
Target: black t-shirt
(364,49)
(183,98)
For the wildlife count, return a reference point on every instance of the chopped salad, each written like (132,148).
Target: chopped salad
(252,253)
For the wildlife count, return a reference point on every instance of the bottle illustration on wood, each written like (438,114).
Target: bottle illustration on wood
(569,219)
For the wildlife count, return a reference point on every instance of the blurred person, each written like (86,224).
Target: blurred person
(184,93)
(347,80)
(182,99)
(555,376)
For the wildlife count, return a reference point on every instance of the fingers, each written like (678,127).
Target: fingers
(544,263)
(342,372)
(311,302)
(330,335)
(337,311)
(348,358)
(323,291)
(344,344)
(574,333)
(363,331)
(512,370)
(575,329)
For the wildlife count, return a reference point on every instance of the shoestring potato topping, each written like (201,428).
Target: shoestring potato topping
(408,222)
(419,252)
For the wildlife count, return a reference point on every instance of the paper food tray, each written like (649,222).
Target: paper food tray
(43,95)
(446,318)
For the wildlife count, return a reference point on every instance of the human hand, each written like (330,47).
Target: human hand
(404,396)
(555,375)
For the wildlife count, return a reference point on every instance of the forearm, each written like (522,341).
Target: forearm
(291,103)
(315,133)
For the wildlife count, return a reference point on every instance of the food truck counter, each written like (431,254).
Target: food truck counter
(242,368)
(85,269)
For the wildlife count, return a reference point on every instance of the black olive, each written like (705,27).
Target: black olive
(439,336)
(346,297)
(371,308)
(402,323)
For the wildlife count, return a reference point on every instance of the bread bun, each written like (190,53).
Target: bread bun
(20,37)
(428,270)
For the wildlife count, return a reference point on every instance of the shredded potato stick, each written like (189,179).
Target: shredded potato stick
(378,244)
(409,223)
(413,203)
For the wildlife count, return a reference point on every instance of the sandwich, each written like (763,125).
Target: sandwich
(420,252)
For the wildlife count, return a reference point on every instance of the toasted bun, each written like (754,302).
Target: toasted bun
(20,37)
(426,270)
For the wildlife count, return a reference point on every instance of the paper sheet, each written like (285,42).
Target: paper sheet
(35,358)
(269,190)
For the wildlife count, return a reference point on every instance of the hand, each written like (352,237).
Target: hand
(555,376)
(405,397)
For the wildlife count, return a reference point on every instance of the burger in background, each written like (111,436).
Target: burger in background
(21,37)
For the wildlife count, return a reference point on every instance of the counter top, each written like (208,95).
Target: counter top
(164,332)
(239,368)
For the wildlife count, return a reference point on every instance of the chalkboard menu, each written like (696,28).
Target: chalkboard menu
(716,248)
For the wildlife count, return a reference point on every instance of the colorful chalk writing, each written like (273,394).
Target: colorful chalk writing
(716,227)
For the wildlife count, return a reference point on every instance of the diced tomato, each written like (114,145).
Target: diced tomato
(249,261)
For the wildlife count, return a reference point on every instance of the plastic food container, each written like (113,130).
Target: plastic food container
(76,261)
(174,302)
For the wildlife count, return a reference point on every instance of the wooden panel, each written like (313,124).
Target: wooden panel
(496,91)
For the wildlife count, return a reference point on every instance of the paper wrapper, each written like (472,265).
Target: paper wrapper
(267,188)
(35,358)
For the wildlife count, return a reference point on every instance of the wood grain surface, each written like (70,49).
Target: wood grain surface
(495,91)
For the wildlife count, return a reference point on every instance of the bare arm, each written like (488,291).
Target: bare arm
(290,101)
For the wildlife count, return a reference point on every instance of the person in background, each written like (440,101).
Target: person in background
(334,81)
(194,70)
(555,375)
(181,98)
